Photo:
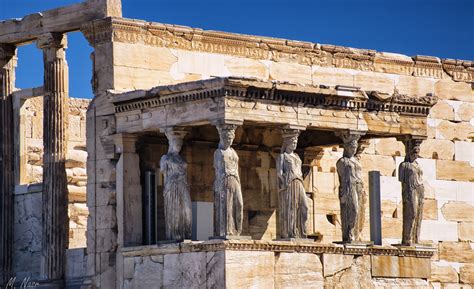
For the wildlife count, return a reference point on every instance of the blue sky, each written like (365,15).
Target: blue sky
(443,28)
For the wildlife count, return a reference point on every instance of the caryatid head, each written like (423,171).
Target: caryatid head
(290,140)
(226,135)
(412,150)
(350,142)
(175,139)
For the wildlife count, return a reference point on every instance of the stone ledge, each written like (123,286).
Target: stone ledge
(277,246)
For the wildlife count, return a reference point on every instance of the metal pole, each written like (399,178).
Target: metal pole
(375,209)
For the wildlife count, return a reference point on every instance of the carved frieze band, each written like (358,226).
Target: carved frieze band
(262,48)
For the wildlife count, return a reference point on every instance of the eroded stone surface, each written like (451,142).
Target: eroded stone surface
(302,270)
(400,267)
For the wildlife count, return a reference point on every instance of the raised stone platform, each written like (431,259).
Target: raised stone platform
(273,264)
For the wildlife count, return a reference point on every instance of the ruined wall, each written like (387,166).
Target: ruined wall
(146,55)
(27,221)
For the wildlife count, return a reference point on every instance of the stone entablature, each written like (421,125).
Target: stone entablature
(278,246)
(267,48)
(317,107)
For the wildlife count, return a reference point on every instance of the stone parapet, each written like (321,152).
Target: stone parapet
(273,264)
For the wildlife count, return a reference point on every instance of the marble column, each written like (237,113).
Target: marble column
(228,201)
(351,187)
(7,81)
(55,194)
(410,175)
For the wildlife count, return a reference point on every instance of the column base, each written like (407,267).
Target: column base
(230,237)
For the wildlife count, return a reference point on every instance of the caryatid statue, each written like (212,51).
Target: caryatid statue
(228,202)
(177,200)
(292,201)
(351,188)
(410,175)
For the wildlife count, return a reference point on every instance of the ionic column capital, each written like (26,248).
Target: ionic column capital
(52,40)
(349,135)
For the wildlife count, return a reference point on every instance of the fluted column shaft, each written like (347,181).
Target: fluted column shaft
(7,179)
(55,198)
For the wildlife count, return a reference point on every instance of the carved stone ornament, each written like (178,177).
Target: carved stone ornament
(228,202)
(410,175)
(177,199)
(351,188)
(293,206)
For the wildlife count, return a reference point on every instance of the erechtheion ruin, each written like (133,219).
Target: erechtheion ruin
(209,159)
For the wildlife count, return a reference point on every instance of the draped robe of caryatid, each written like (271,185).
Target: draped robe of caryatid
(228,211)
(292,204)
(411,177)
(177,201)
(350,189)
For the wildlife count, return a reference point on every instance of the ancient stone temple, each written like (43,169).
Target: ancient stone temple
(216,160)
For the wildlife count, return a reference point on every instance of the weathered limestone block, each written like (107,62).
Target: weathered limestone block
(382,82)
(132,78)
(464,151)
(205,64)
(454,170)
(76,158)
(332,76)
(456,252)
(466,274)
(400,267)
(215,275)
(441,272)
(437,149)
(414,85)
(442,110)
(392,227)
(146,274)
(466,231)
(76,193)
(430,231)
(407,283)
(430,209)
(301,270)
(185,270)
(27,235)
(466,111)
(356,276)
(247,269)
(453,130)
(325,183)
(389,147)
(449,89)
(143,56)
(246,67)
(458,211)
(333,263)
(384,164)
(291,72)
